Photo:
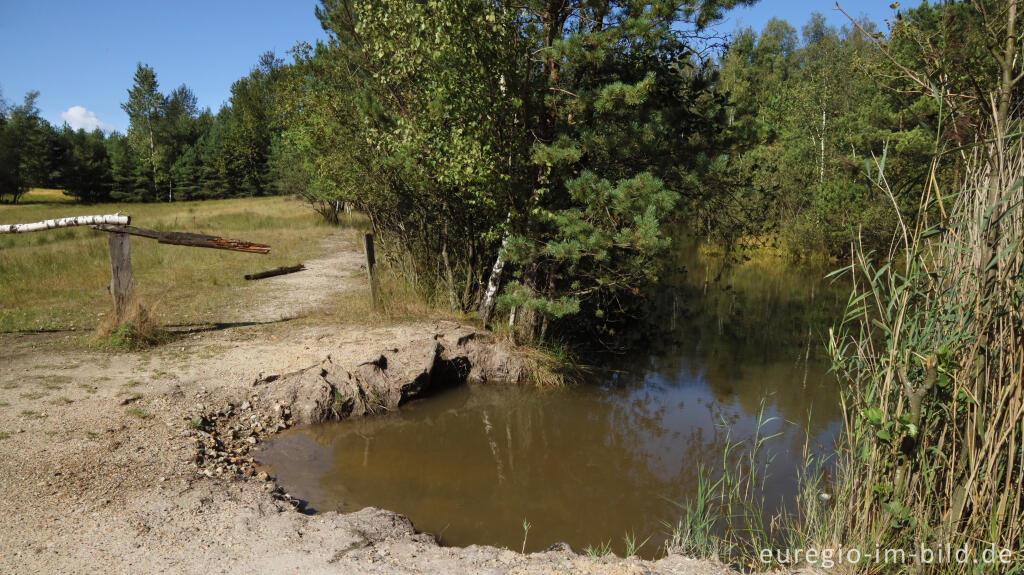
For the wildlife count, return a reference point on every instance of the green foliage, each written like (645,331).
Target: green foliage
(25,140)
(462,126)
(806,119)
(86,173)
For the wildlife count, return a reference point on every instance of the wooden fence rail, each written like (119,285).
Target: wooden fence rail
(187,239)
(65,223)
(120,249)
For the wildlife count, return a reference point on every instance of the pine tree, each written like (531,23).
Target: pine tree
(145,109)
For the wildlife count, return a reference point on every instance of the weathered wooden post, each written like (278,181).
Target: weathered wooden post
(120,275)
(371,272)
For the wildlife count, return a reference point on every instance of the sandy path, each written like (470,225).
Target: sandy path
(295,295)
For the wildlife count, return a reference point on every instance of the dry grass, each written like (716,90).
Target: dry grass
(57,280)
(397,301)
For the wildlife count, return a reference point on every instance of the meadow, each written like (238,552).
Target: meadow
(57,279)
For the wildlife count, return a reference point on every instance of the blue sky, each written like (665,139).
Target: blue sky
(84,52)
(81,55)
(797,12)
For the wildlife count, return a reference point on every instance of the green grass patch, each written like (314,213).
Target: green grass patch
(597,551)
(34,395)
(136,412)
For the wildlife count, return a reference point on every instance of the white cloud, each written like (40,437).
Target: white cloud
(81,119)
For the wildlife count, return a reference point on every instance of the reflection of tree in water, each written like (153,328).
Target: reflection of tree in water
(755,331)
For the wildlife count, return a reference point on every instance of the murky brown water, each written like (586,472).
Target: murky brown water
(592,464)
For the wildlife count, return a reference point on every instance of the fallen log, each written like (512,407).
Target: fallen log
(275,272)
(187,239)
(109,219)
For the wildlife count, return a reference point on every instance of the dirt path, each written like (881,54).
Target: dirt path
(295,295)
(97,469)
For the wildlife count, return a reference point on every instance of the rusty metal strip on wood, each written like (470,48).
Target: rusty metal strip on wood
(187,239)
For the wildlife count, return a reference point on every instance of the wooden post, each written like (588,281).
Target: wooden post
(371,271)
(120,275)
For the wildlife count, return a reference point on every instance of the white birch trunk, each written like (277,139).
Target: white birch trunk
(487,303)
(821,165)
(65,223)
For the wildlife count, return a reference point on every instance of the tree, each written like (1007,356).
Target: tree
(808,131)
(86,173)
(24,149)
(145,109)
(474,132)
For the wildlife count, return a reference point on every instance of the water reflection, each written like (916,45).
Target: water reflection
(591,464)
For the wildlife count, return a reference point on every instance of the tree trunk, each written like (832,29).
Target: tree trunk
(487,301)
(450,277)
(117,219)
(187,239)
(528,316)
(821,163)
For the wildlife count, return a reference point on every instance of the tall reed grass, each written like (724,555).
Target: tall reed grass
(932,351)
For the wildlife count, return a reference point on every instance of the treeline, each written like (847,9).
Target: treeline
(540,154)
(172,150)
(531,158)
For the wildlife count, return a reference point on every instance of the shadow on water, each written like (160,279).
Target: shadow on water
(593,464)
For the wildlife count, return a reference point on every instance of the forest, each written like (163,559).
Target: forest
(564,143)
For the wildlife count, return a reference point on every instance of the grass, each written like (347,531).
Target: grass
(4,435)
(633,543)
(57,279)
(128,396)
(397,301)
(138,332)
(932,352)
(725,520)
(597,551)
(136,412)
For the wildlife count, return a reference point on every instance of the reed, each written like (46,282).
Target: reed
(932,353)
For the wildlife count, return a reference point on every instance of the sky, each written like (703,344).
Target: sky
(81,55)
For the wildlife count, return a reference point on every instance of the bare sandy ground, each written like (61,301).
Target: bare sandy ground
(97,470)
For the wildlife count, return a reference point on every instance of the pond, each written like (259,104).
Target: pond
(610,460)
